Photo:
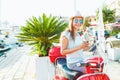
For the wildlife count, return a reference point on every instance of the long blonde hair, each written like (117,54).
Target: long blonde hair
(70,29)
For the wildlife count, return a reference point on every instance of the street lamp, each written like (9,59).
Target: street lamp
(75,5)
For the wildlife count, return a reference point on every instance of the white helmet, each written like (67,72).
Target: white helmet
(76,14)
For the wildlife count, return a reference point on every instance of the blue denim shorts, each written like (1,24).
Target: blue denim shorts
(73,66)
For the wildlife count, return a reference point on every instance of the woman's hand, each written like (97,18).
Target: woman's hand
(85,45)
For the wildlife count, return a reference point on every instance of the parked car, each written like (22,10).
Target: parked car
(12,40)
(4,48)
(2,43)
(113,47)
(118,36)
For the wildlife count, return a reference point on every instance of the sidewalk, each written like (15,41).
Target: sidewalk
(17,65)
(113,70)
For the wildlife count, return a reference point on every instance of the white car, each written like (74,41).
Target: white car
(113,47)
(118,36)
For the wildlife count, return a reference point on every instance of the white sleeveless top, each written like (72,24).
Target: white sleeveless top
(75,56)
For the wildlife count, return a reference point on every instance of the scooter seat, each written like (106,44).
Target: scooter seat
(71,74)
(65,71)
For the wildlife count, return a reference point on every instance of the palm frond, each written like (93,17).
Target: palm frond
(42,32)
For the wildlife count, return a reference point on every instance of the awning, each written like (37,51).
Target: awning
(116,24)
(113,24)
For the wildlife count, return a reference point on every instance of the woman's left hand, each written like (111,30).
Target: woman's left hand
(87,45)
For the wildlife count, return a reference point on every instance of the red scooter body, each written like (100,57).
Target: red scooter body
(98,65)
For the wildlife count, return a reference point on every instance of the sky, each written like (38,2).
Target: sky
(17,11)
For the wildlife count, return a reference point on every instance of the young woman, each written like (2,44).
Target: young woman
(72,44)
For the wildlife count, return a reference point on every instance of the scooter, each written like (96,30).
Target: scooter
(62,72)
(94,68)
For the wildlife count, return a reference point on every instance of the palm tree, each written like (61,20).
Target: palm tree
(42,32)
(108,14)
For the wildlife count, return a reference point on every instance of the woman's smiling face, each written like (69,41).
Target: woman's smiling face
(77,22)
